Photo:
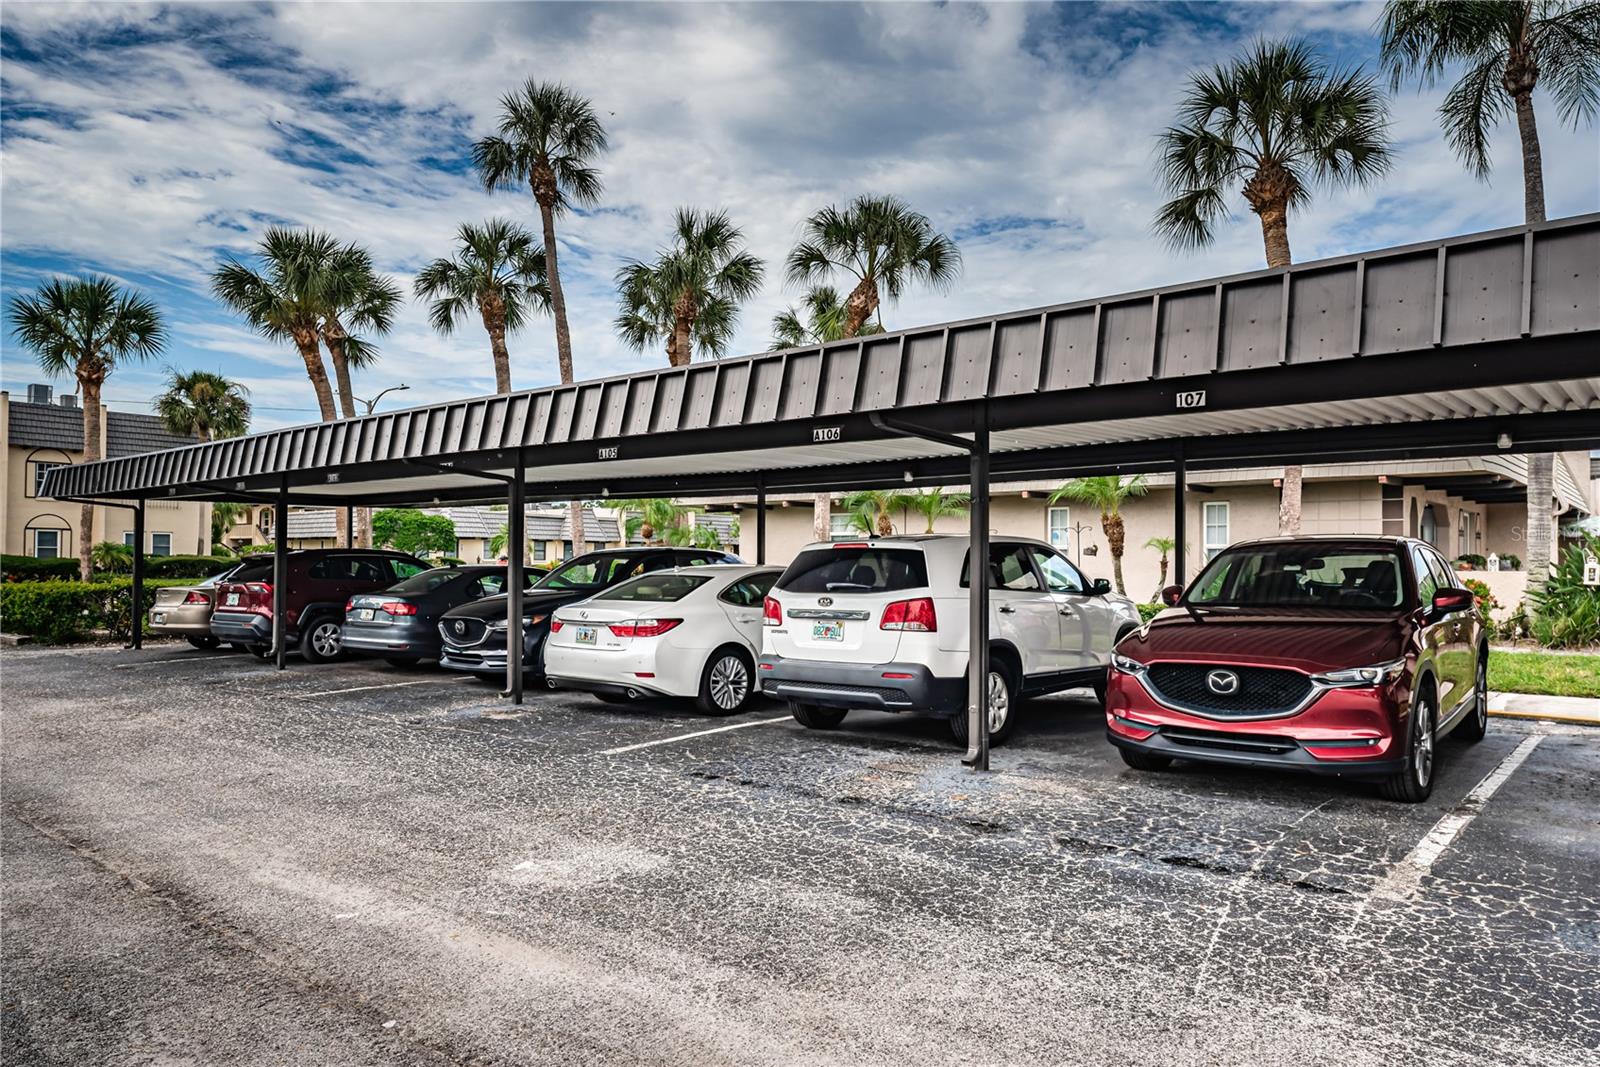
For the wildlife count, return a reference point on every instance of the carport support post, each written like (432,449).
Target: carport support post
(1180,476)
(349,526)
(280,579)
(137,619)
(761,521)
(516,536)
(977,756)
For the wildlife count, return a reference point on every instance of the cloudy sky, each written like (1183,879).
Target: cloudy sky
(150,142)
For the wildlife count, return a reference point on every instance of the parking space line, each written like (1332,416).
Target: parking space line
(697,733)
(1405,878)
(193,657)
(364,688)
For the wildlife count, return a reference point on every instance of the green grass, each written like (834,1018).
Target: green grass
(1544,675)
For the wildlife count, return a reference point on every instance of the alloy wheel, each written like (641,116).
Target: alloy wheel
(730,682)
(1422,746)
(1480,686)
(999,702)
(326,638)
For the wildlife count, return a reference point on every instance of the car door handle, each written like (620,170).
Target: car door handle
(1007,610)
(1064,611)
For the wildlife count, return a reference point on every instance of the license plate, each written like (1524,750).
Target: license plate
(160,617)
(363,614)
(231,599)
(584,635)
(827,631)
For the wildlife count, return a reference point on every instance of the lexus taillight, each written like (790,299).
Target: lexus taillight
(771,613)
(910,615)
(397,607)
(556,625)
(195,597)
(643,627)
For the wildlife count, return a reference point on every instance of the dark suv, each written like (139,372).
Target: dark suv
(475,634)
(1335,655)
(321,581)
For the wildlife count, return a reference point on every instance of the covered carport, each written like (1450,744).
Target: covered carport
(1477,344)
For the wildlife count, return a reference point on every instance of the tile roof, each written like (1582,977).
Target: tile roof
(53,426)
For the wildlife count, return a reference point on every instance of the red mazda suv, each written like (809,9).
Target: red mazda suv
(1335,655)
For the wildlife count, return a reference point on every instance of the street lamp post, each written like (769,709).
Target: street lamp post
(374,401)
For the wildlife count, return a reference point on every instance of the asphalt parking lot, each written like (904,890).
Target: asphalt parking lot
(206,861)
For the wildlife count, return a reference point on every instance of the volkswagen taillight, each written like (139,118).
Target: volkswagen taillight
(915,614)
(397,607)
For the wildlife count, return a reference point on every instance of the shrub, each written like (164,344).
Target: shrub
(28,569)
(1150,611)
(1486,600)
(251,550)
(58,611)
(1473,560)
(1565,612)
(111,557)
(1510,562)
(184,566)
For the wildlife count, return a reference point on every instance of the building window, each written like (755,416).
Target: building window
(1061,529)
(39,468)
(1429,531)
(841,526)
(595,546)
(127,538)
(46,544)
(566,550)
(541,551)
(1215,515)
(161,544)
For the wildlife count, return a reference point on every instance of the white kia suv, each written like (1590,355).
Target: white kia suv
(883,624)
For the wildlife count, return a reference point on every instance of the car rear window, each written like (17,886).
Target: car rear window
(855,570)
(253,570)
(1302,576)
(659,587)
(427,581)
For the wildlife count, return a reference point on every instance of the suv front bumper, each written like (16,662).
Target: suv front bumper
(862,685)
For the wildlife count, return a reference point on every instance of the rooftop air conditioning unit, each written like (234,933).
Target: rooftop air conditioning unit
(39,394)
(68,400)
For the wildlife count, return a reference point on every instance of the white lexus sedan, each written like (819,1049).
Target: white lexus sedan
(691,632)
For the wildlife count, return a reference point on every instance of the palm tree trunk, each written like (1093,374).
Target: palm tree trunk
(334,336)
(575,519)
(1541,488)
(306,342)
(558,299)
(1532,158)
(1289,503)
(90,387)
(859,306)
(493,310)
(1115,541)
(681,349)
(821,517)
(1275,232)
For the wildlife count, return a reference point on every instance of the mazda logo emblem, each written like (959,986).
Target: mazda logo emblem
(1222,683)
(824,601)
(460,627)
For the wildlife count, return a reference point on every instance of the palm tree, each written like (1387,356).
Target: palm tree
(933,504)
(497,268)
(1275,122)
(651,518)
(224,516)
(285,301)
(872,510)
(882,247)
(1164,545)
(203,405)
(1509,47)
(549,137)
(690,295)
(354,292)
(84,327)
(823,321)
(1106,492)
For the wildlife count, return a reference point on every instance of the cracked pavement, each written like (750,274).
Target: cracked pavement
(209,862)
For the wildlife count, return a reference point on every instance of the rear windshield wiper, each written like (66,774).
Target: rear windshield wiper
(834,587)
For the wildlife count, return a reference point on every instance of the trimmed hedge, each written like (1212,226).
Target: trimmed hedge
(1150,611)
(28,569)
(185,566)
(58,611)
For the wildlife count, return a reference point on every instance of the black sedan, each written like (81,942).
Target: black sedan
(401,623)
(475,633)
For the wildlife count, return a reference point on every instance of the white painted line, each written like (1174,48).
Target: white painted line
(365,688)
(697,733)
(1405,878)
(193,657)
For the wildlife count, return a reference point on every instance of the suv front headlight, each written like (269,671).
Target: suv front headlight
(1126,665)
(1361,677)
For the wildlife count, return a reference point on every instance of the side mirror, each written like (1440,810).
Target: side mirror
(1446,601)
(1171,595)
(1100,587)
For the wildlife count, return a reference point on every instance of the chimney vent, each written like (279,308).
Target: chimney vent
(39,394)
(68,400)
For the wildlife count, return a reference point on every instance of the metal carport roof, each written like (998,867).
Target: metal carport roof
(1447,347)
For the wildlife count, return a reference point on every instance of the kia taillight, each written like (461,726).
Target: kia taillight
(397,607)
(910,615)
(643,627)
(771,613)
(195,597)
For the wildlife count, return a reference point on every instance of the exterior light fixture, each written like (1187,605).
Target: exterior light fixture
(1503,441)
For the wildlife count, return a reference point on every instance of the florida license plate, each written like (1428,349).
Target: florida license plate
(584,635)
(363,614)
(231,599)
(160,617)
(827,631)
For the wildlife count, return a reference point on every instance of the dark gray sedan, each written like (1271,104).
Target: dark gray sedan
(401,623)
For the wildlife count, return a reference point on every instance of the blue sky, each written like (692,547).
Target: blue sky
(149,142)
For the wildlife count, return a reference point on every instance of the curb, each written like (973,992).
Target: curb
(1573,720)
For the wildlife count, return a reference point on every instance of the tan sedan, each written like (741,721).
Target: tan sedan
(185,610)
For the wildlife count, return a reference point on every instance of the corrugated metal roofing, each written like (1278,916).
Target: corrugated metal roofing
(471,523)
(1483,322)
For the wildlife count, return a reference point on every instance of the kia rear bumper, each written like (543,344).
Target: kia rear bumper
(903,687)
